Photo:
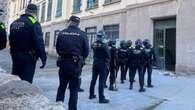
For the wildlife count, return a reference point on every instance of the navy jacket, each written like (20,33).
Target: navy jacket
(72,41)
(26,35)
(101,52)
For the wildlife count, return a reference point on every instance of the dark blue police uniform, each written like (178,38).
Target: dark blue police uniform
(27,45)
(3,38)
(113,66)
(150,57)
(72,46)
(137,64)
(122,58)
(100,64)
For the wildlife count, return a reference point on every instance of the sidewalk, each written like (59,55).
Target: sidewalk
(169,93)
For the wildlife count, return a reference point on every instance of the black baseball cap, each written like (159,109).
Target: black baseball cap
(32,8)
(74,19)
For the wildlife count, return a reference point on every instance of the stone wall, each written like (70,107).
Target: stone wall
(20,95)
(186,36)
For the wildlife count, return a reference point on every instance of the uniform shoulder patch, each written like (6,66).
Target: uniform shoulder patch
(32,19)
(2,25)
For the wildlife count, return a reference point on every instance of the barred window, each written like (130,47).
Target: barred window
(47,39)
(111,1)
(112,31)
(91,34)
(56,32)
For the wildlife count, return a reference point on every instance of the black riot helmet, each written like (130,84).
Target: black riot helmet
(146,43)
(100,36)
(1,12)
(129,43)
(122,44)
(138,43)
(112,43)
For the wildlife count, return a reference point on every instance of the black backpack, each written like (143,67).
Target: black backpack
(3,37)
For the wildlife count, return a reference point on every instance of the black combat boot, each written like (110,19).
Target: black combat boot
(131,86)
(111,88)
(92,96)
(103,101)
(150,86)
(142,90)
(81,90)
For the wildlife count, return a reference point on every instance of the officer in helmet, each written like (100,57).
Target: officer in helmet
(122,59)
(128,65)
(100,64)
(113,65)
(137,64)
(150,58)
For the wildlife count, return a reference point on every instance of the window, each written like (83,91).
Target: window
(111,1)
(92,4)
(38,13)
(49,10)
(47,39)
(43,12)
(91,34)
(55,37)
(59,8)
(112,31)
(22,4)
(76,6)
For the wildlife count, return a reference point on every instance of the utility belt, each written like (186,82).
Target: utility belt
(70,57)
(76,59)
(32,52)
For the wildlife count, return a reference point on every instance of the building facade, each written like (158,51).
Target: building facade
(4,5)
(167,23)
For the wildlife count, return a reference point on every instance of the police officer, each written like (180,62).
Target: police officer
(3,38)
(128,65)
(150,58)
(100,64)
(137,63)
(113,65)
(122,58)
(73,48)
(26,44)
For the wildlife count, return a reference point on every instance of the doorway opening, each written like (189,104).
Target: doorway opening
(165,43)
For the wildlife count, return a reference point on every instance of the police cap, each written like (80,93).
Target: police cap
(32,8)
(75,19)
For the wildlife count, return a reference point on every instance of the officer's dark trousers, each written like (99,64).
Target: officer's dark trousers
(99,69)
(122,67)
(148,67)
(107,74)
(23,65)
(140,74)
(112,75)
(131,73)
(69,74)
(126,69)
